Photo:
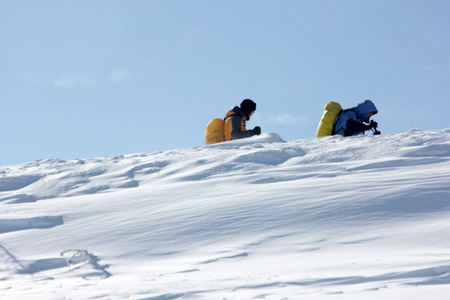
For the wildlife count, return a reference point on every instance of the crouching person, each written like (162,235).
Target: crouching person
(235,120)
(350,121)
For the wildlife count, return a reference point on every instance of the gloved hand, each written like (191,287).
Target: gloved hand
(256,130)
(373,124)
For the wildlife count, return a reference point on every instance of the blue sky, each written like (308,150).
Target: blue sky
(84,79)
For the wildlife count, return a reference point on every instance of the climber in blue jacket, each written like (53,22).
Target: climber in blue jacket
(350,121)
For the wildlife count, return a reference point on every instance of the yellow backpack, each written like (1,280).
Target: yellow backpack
(326,123)
(214,131)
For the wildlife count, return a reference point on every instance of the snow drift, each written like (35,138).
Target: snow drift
(258,218)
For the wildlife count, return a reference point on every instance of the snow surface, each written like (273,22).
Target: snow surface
(364,217)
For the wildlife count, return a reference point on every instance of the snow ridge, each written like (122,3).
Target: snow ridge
(347,218)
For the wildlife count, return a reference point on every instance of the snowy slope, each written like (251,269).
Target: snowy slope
(364,217)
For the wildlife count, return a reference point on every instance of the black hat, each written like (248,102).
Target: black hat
(248,106)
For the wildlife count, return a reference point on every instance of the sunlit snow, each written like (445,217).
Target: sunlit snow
(364,217)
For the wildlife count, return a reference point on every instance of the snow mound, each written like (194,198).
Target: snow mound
(352,218)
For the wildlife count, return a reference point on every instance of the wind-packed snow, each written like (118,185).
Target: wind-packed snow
(364,217)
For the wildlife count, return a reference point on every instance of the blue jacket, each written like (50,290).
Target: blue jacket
(350,121)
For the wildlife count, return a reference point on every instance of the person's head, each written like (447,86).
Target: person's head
(365,110)
(248,107)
